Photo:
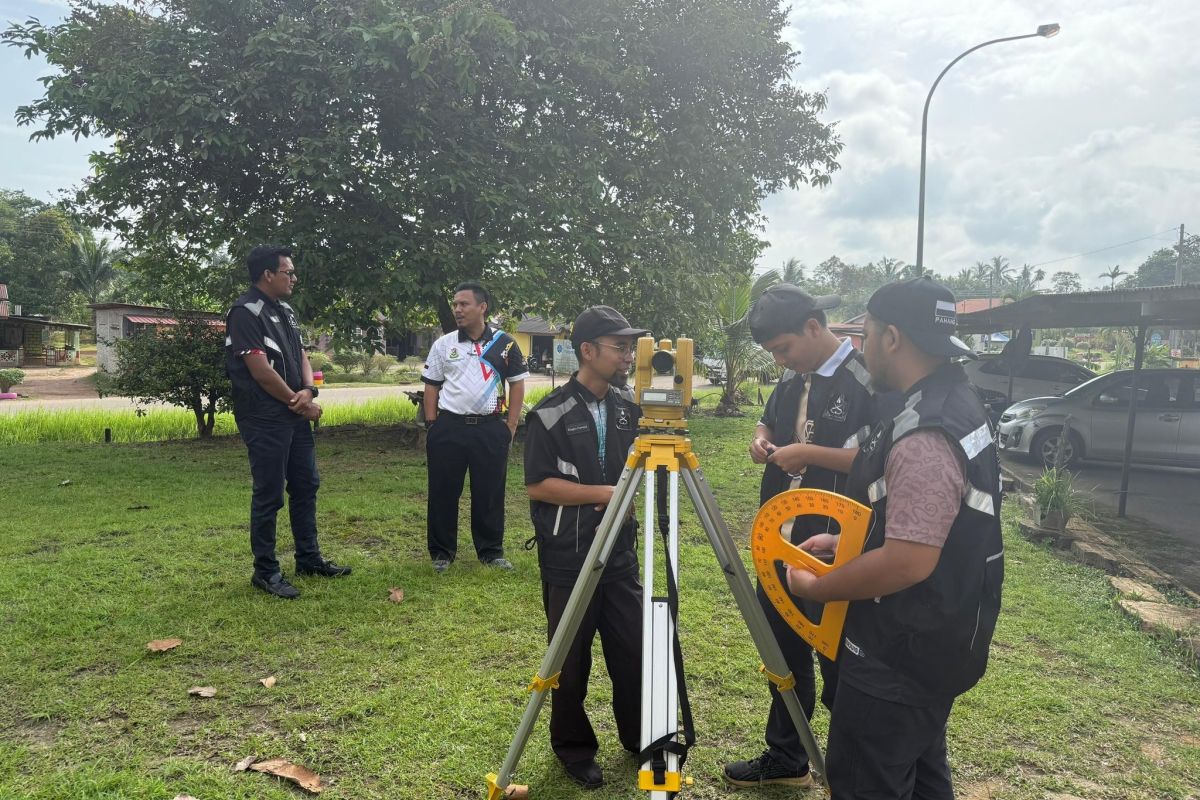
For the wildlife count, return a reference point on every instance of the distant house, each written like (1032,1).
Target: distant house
(25,340)
(535,336)
(853,327)
(115,321)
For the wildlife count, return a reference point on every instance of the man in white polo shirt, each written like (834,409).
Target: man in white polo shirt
(471,426)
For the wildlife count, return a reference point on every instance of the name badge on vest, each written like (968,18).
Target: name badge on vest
(624,419)
(576,428)
(837,410)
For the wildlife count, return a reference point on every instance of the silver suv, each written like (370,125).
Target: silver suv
(1037,376)
(1166,431)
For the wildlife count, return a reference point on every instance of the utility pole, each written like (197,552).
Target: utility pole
(1175,340)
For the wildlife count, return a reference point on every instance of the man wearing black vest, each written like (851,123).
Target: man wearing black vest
(576,444)
(273,395)
(926,591)
(800,439)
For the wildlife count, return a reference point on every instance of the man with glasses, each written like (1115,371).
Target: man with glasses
(577,440)
(273,404)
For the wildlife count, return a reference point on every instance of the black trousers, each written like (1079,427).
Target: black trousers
(880,750)
(782,738)
(282,455)
(452,448)
(616,613)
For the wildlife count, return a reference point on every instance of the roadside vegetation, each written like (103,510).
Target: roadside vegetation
(109,548)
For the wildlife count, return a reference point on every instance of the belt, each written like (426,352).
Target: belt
(469,419)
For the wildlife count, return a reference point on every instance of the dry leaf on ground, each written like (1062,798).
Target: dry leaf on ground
(396,594)
(303,736)
(303,777)
(268,681)
(244,764)
(159,645)
(203,691)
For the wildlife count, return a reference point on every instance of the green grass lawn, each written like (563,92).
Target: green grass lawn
(108,547)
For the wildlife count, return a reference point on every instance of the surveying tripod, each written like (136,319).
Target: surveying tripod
(652,453)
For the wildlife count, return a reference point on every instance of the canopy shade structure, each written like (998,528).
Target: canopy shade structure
(1154,307)
(1175,307)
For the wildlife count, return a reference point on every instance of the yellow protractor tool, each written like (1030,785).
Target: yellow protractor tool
(768,546)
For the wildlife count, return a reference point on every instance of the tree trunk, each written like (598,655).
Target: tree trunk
(202,430)
(445,315)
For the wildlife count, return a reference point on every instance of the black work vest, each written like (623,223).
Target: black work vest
(277,327)
(839,406)
(931,640)
(561,442)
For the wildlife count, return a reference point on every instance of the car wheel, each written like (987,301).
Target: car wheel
(1044,447)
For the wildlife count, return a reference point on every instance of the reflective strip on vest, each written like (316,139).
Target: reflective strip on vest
(255,308)
(980,501)
(877,490)
(551,416)
(856,439)
(271,343)
(976,441)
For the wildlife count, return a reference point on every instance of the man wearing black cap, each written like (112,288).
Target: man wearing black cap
(577,440)
(800,439)
(471,427)
(273,396)
(926,591)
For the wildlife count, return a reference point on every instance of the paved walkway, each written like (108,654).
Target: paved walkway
(1162,511)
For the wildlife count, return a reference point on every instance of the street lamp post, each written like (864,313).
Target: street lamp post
(1045,31)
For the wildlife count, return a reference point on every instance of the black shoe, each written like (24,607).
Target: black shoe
(765,770)
(325,569)
(586,773)
(497,563)
(276,585)
(441,565)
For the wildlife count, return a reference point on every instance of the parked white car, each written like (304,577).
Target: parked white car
(1038,376)
(1166,428)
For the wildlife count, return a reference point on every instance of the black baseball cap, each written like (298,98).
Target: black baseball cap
(779,309)
(602,321)
(924,311)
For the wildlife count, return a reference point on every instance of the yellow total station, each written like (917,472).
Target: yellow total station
(662,382)
(768,546)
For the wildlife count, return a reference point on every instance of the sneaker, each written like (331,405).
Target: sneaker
(765,770)
(275,584)
(586,773)
(322,568)
(441,564)
(498,563)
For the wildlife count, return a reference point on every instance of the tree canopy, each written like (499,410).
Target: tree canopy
(35,254)
(565,151)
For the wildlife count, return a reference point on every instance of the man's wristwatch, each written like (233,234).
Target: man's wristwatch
(315,391)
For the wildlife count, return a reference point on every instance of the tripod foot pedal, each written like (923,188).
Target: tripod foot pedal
(514,791)
(671,782)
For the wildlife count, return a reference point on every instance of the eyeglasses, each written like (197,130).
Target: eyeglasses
(623,349)
(290,273)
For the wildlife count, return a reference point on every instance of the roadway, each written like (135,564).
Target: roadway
(1162,510)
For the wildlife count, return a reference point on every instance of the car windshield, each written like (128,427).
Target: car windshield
(1083,387)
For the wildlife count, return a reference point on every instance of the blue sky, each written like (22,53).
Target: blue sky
(1039,150)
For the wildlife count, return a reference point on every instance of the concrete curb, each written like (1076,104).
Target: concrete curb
(1132,579)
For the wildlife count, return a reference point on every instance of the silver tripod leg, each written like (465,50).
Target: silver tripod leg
(594,563)
(752,612)
(660,693)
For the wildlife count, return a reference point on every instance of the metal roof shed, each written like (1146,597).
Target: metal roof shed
(1176,307)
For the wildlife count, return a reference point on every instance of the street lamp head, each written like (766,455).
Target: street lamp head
(1048,30)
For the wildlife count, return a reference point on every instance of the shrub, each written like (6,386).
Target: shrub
(318,360)
(10,378)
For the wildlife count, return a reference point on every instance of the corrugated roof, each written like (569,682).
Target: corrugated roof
(538,325)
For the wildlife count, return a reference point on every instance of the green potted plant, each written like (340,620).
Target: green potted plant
(1056,499)
(10,378)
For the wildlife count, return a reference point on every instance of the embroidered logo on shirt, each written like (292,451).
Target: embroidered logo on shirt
(453,354)
(873,442)
(837,410)
(624,420)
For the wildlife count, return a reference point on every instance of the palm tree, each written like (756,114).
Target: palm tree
(743,357)
(1112,275)
(999,272)
(792,272)
(91,265)
(1025,283)
(890,269)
